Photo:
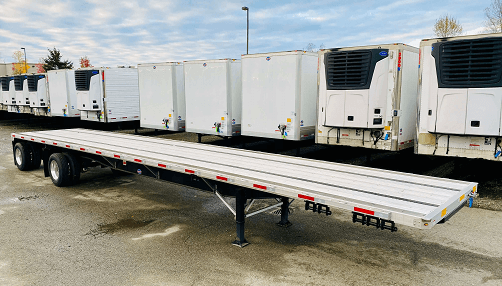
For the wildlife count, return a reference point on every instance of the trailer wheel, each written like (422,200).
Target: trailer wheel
(22,157)
(59,169)
(35,157)
(74,165)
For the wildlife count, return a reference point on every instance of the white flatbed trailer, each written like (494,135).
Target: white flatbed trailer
(376,197)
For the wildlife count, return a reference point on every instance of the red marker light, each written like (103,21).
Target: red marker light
(138,160)
(116,156)
(82,149)
(163,165)
(189,171)
(67,146)
(221,178)
(98,152)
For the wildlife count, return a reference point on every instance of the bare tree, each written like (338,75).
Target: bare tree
(494,17)
(447,26)
(313,48)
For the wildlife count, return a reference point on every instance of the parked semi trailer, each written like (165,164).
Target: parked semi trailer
(7,91)
(279,92)
(377,198)
(38,94)
(368,96)
(62,93)
(461,97)
(107,94)
(162,96)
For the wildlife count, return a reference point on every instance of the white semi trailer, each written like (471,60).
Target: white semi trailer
(460,97)
(62,93)
(162,96)
(22,97)
(377,198)
(108,94)
(279,92)
(38,94)
(213,97)
(368,96)
(8,96)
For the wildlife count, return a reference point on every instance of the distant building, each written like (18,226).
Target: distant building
(6,68)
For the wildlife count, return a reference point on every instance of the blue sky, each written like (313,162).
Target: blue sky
(127,32)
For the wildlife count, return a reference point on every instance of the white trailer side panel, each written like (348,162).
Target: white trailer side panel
(121,94)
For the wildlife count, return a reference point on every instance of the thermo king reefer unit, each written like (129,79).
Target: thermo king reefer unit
(279,92)
(37,91)
(368,96)
(62,93)
(108,94)
(213,97)
(8,95)
(460,97)
(162,96)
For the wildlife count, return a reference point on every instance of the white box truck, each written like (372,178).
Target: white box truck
(62,93)
(108,94)
(368,96)
(162,96)
(279,92)
(213,97)
(8,94)
(460,97)
(37,92)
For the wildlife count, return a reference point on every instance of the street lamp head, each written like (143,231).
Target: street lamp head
(245,8)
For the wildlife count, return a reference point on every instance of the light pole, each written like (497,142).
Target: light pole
(247,33)
(25,62)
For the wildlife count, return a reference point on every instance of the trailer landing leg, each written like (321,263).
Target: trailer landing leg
(284,214)
(240,216)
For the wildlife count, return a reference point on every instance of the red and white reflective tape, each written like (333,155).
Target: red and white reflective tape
(221,178)
(138,160)
(116,156)
(306,197)
(259,187)
(189,171)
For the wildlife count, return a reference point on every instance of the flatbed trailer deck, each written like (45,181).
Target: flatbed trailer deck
(376,197)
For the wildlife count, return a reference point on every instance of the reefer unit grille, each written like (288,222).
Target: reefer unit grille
(5,83)
(83,79)
(18,82)
(33,82)
(351,69)
(469,63)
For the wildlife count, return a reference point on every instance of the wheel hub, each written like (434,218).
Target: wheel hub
(54,170)
(19,157)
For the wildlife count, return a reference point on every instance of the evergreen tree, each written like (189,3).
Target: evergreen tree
(53,61)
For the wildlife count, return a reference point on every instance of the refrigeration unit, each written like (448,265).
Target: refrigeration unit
(37,91)
(8,93)
(213,97)
(368,96)
(279,92)
(162,96)
(460,97)
(22,97)
(62,93)
(108,94)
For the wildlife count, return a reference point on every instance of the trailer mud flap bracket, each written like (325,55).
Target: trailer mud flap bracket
(369,220)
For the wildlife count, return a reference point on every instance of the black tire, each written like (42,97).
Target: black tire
(35,157)
(75,169)
(59,169)
(22,157)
